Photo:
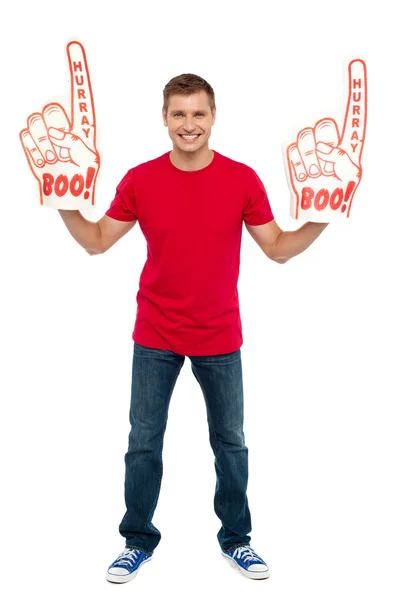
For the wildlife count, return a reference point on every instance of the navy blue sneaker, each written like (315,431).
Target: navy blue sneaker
(249,563)
(126,566)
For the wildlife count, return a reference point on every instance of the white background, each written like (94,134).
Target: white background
(320,332)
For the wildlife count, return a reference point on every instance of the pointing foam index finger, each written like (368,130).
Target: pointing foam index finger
(354,129)
(82,104)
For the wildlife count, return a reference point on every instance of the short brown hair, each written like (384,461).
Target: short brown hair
(187,84)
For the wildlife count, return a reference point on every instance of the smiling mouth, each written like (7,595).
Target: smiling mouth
(190,138)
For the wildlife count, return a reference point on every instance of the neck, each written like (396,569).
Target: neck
(191,161)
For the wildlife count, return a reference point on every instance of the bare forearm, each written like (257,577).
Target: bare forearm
(86,233)
(292,243)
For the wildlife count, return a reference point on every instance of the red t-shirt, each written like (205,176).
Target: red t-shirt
(192,221)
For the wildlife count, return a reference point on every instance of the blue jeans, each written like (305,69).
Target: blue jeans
(154,375)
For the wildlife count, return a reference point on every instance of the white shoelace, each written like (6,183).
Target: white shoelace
(246,553)
(126,557)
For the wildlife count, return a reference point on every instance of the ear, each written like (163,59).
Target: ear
(213,112)
(164,117)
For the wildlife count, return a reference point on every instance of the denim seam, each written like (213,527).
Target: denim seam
(213,434)
(160,472)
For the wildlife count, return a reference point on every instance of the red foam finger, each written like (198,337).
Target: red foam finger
(82,103)
(354,129)
(38,131)
(326,132)
(307,149)
(296,163)
(33,154)
(54,115)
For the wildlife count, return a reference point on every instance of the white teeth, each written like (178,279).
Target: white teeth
(190,137)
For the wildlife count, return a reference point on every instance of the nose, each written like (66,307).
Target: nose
(188,124)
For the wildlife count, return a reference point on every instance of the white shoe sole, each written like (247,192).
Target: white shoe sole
(125,578)
(250,574)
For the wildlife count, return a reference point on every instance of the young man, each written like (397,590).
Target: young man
(190,203)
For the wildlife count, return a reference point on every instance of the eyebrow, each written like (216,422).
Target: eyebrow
(177,110)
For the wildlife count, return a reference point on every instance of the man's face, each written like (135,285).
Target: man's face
(189,115)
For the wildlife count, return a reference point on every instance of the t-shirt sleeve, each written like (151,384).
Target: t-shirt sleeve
(123,206)
(257,210)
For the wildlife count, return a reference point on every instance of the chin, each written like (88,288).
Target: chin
(182,146)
